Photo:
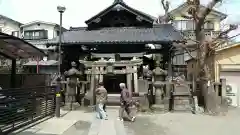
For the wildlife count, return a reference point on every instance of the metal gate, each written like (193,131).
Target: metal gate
(22,106)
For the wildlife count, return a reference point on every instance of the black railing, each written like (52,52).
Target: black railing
(22,106)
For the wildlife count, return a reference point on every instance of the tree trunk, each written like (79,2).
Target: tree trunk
(205,73)
(207,86)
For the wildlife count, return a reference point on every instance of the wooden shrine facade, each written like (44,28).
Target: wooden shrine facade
(118,29)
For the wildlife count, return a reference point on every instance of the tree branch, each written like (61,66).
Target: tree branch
(167,17)
(224,33)
(187,50)
(202,14)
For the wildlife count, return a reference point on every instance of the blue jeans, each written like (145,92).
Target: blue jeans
(101,114)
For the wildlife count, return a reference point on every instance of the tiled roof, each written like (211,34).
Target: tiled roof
(41,44)
(160,33)
(126,7)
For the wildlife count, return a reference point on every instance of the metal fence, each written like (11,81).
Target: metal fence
(25,80)
(22,106)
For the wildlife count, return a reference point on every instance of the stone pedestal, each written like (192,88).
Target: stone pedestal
(158,106)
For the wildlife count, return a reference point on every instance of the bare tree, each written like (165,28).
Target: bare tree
(205,48)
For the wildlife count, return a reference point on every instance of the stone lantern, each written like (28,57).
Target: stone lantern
(72,74)
(159,77)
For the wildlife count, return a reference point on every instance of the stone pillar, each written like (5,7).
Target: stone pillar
(92,86)
(101,69)
(135,77)
(101,75)
(97,75)
(129,80)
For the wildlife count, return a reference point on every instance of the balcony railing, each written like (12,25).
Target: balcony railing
(191,34)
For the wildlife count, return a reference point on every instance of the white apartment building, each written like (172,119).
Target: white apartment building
(38,32)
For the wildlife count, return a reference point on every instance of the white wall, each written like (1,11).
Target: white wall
(8,26)
(50,28)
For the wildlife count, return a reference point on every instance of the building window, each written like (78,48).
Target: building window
(209,25)
(15,33)
(35,34)
(58,33)
(184,25)
(190,25)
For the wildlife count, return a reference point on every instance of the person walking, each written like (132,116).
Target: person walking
(101,99)
(125,100)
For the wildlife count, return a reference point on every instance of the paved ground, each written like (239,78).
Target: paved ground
(84,123)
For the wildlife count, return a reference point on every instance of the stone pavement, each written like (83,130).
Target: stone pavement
(84,123)
(78,122)
(185,124)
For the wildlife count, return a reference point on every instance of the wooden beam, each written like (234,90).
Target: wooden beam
(124,71)
(115,64)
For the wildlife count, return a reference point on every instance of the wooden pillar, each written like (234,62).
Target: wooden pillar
(135,80)
(92,83)
(13,73)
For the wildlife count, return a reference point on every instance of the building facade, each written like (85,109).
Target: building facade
(10,27)
(226,66)
(38,32)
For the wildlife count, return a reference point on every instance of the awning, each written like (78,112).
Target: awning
(160,33)
(13,48)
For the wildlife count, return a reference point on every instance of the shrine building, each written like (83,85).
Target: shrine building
(114,45)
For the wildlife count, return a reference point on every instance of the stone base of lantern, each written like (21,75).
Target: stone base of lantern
(71,106)
(158,107)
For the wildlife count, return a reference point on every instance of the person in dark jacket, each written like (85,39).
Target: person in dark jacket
(125,100)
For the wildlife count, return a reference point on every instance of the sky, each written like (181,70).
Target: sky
(78,11)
